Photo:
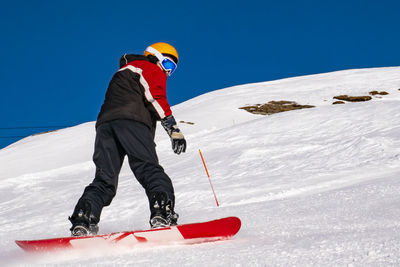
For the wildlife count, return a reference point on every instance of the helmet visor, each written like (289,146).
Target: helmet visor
(168,65)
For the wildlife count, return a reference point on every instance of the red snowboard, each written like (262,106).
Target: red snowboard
(186,233)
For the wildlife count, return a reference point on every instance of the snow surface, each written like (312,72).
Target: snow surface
(315,186)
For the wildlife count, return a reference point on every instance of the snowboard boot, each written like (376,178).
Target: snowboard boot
(171,215)
(162,213)
(83,221)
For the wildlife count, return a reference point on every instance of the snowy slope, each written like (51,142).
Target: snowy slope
(313,187)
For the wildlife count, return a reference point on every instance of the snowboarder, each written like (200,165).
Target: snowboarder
(135,100)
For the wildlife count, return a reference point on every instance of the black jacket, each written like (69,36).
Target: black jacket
(136,92)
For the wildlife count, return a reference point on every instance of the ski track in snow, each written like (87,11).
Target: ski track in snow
(312,187)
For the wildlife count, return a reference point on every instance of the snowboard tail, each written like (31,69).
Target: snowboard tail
(214,230)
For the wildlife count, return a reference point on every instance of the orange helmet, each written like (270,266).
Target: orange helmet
(165,49)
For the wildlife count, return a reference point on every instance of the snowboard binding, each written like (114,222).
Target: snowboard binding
(83,230)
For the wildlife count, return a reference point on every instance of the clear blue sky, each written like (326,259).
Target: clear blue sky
(57,57)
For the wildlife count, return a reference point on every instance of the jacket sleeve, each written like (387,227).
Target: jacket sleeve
(158,98)
(154,83)
(156,92)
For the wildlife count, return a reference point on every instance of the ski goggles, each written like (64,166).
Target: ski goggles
(166,63)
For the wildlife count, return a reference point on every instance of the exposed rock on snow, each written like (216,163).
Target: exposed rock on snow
(274,107)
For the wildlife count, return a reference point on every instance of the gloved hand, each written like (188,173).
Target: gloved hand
(177,139)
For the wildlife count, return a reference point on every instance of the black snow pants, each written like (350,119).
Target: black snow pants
(114,140)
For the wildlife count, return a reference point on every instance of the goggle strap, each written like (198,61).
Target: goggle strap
(155,52)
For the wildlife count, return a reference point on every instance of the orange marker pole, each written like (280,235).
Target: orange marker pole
(209,179)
